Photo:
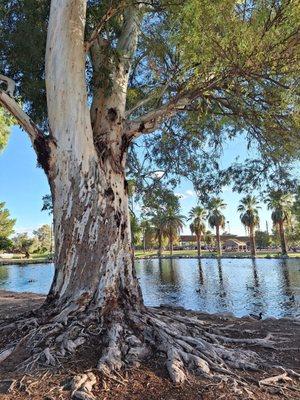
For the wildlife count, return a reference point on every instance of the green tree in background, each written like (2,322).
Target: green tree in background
(216,219)
(262,239)
(172,223)
(208,238)
(248,210)
(5,243)
(22,243)
(281,205)
(43,236)
(5,123)
(147,233)
(136,231)
(159,228)
(197,227)
(6,223)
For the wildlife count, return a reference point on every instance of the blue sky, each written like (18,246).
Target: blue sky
(23,184)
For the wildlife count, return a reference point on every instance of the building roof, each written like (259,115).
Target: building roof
(234,241)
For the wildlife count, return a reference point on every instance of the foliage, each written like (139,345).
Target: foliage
(172,224)
(262,239)
(43,238)
(5,122)
(197,214)
(208,238)
(158,200)
(5,243)
(22,243)
(6,223)
(47,203)
(248,210)
(215,216)
(238,73)
(281,203)
(148,233)
(136,230)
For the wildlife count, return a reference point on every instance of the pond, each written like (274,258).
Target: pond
(240,286)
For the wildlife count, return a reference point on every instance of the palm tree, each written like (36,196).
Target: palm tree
(197,227)
(216,219)
(173,224)
(159,229)
(281,204)
(248,210)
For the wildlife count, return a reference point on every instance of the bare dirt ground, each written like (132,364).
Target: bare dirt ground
(150,381)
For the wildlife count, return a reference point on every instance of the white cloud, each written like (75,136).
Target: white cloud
(157,174)
(182,196)
(187,194)
(190,193)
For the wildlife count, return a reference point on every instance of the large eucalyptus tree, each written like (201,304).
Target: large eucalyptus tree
(116,71)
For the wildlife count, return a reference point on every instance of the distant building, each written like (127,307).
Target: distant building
(234,245)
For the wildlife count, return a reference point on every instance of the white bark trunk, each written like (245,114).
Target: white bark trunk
(91,222)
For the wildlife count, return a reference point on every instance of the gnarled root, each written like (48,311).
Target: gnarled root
(127,337)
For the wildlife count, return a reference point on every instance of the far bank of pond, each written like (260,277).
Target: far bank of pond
(238,286)
(152,254)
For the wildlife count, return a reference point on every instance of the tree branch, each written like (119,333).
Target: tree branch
(152,120)
(154,95)
(23,119)
(10,85)
(111,12)
(43,146)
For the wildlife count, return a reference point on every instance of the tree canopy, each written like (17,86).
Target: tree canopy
(6,222)
(199,75)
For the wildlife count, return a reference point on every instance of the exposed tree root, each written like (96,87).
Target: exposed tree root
(126,338)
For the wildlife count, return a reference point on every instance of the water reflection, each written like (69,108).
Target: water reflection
(226,285)
(201,275)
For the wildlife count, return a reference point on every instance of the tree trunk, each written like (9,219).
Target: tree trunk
(199,245)
(171,244)
(252,241)
(282,239)
(218,240)
(93,262)
(159,244)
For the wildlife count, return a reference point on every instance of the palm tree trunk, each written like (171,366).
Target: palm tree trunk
(252,241)
(159,244)
(282,239)
(171,244)
(199,245)
(218,240)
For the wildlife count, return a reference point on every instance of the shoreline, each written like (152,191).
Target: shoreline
(9,300)
(29,261)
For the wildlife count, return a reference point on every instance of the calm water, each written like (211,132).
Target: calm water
(230,285)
